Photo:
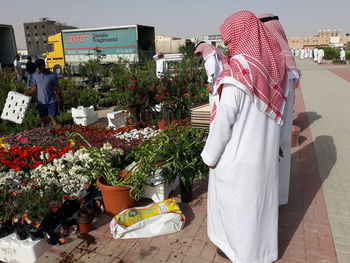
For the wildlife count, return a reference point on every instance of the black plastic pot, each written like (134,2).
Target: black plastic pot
(20,230)
(185,192)
(6,229)
(51,224)
(34,233)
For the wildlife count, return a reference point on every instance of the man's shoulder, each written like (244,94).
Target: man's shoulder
(51,74)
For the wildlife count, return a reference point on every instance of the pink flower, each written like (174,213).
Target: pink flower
(19,137)
(24,140)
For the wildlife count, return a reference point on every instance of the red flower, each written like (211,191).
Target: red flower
(131,87)
(158,98)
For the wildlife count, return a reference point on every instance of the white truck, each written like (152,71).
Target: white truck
(8,48)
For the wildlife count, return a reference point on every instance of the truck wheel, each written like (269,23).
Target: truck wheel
(58,70)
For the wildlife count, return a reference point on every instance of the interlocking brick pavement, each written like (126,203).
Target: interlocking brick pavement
(327,92)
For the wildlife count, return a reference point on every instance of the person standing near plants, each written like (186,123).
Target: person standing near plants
(18,69)
(320,55)
(272,23)
(213,63)
(243,143)
(342,54)
(30,68)
(161,65)
(45,86)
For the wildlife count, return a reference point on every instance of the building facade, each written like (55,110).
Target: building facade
(169,45)
(324,38)
(36,34)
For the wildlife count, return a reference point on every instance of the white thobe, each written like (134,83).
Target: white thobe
(320,55)
(342,54)
(213,67)
(315,54)
(161,66)
(285,142)
(242,212)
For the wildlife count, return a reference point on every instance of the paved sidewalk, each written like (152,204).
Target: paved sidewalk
(326,98)
(312,226)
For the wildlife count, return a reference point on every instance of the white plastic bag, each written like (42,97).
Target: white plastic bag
(154,220)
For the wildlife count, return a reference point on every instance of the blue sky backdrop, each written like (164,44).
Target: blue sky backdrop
(180,18)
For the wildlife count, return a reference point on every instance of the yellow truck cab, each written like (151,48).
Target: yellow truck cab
(55,54)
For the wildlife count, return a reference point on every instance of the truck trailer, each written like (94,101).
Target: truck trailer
(76,46)
(8,48)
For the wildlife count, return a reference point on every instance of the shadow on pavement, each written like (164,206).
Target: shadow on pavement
(306,181)
(305,119)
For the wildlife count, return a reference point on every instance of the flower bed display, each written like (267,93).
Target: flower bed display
(35,180)
(47,175)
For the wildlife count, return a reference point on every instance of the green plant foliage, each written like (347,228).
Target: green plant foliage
(347,55)
(108,163)
(187,50)
(330,53)
(88,97)
(338,61)
(176,151)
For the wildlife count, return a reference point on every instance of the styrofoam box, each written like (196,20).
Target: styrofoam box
(21,251)
(82,112)
(117,119)
(16,107)
(159,191)
(90,119)
(84,115)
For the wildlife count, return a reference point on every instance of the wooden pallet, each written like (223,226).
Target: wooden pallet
(200,117)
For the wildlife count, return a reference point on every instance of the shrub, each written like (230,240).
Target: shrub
(330,53)
(347,55)
(338,61)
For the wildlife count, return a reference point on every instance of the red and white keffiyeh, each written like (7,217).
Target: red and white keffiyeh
(205,50)
(264,79)
(276,29)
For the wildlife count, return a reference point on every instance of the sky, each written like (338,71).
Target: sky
(178,18)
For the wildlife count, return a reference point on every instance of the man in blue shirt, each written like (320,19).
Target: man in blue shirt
(45,86)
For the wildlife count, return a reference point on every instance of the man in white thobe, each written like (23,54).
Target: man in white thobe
(315,54)
(320,55)
(213,66)
(342,54)
(161,65)
(293,74)
(242,146)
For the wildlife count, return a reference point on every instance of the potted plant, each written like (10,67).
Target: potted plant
(85,218)
(119,188)
(176,152)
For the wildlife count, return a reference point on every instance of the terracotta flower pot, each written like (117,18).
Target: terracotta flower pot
(85,218)
(295,135)
(115,198)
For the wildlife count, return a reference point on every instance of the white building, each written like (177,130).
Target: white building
(171,45)
(215,40)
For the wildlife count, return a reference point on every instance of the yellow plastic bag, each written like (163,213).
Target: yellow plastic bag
(156,219)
